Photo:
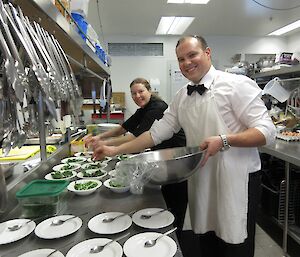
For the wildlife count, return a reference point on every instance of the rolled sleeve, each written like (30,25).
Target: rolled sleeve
(268,130)
(161,131)
(256,116)
(165,128)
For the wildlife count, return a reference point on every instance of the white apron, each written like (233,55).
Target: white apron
(218,192)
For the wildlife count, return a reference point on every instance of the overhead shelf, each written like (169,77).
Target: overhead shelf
(293,70)
(46,14)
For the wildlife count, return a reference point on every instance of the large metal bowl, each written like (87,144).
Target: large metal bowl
(173,165)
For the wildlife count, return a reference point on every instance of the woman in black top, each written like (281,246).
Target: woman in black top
(151,109)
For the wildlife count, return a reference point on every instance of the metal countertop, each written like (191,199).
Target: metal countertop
(103,200)
(287,151)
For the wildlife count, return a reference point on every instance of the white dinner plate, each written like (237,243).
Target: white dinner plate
(7,236)
(118,225)
(164,247)
(49,176)
(47,231)
(42,253)
(161,220)
(83,249)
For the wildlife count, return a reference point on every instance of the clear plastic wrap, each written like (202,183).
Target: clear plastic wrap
(134,173)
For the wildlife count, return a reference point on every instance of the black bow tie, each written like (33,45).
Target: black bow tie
(199,88)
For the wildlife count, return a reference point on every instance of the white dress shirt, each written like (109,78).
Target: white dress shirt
(238,101)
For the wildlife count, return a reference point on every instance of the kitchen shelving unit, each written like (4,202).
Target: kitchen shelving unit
(80,54)
(84,61)
(289,152)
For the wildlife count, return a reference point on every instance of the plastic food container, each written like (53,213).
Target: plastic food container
(41,197)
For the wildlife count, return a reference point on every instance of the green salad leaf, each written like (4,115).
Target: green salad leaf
(74,160)
(92,174)
(115,184)
(85,186)
(60,175)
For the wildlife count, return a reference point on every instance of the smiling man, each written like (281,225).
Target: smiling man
(222,113)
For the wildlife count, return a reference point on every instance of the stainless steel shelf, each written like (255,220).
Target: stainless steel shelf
(282,71)
(290,153)
(293,231)
(45,13)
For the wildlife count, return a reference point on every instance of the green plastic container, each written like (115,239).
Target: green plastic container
(41,197)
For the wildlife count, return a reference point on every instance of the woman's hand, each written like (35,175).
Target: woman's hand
(100,151)
(212,145)
(90,140)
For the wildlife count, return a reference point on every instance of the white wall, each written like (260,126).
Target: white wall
(294,43)
(125,69)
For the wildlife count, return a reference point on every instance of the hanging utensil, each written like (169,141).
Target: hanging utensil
(37,67)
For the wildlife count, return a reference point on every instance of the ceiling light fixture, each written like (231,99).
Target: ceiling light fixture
(173,25)
(286,29)
(188,1)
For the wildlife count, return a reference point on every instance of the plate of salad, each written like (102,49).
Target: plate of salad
(92,173)
(61,175)
(115,186)
(76,160)
(84,186)
(67,167)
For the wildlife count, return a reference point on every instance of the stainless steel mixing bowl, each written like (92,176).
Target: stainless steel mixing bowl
(173,165)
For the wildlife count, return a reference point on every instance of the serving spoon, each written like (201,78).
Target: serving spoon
(57,222)
(18,226)
(148,216)
(111,219)
(99,248)
(152,242)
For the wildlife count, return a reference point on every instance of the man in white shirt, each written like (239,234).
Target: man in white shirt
(225,116)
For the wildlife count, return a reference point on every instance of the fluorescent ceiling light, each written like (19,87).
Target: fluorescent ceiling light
(188,1)
(286,29)
(173,25)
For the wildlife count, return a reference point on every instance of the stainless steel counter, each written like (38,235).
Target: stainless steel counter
(101,201)
(290,153)
(286,151)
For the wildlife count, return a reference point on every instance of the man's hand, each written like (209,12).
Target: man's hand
(212,145)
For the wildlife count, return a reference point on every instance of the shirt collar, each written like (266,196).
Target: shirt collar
(208,78)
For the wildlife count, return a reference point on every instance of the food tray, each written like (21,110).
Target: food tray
(289,136)
(41,197)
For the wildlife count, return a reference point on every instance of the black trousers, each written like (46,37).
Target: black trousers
(212,246)
(176,199)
